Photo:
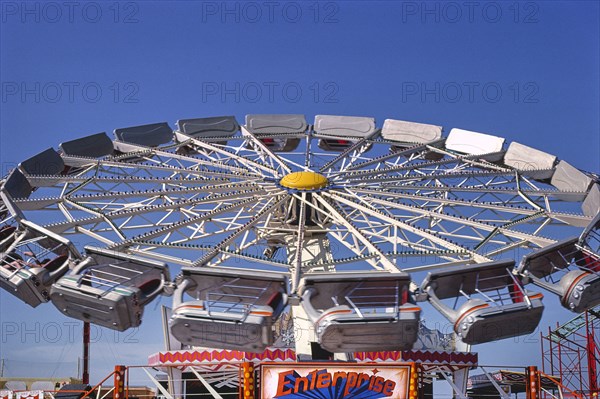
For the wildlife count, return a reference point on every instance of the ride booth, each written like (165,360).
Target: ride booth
(276,373)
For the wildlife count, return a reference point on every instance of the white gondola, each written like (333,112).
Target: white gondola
(278,132)
(92,146)
(569,269)
(354,312)
(338,133)
(529,161)
(496,305)
(16,185)
(110,289)
(32,259)
(232,308)
(466,142)
(152,135)
(410,138)
(410,133)
(48,162)
(216,129)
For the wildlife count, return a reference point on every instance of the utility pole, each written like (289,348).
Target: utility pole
(85,378)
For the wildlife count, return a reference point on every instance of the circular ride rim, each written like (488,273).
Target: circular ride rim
(373,202)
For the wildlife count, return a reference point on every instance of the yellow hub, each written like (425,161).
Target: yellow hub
(304,181)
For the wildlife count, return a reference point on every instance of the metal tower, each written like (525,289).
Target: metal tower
(572,351)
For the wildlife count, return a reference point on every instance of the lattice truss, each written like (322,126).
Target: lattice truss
(197,203)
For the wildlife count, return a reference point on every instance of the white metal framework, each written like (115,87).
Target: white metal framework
(214,193)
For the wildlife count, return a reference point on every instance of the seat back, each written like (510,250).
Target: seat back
(279,132)
(410,132)
(473,143)
(548,260)
(207,128)
(151,135)
(530,161)
(38,247)
(92,146)
(276,123)
(17,185)
(48,162)
(111,270)
(235,291)
(471,280)
(591,204)
(362,291)
(568,178)
(337,133)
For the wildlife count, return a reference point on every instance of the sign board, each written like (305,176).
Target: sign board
(334,381)
(29,395)
(6,394)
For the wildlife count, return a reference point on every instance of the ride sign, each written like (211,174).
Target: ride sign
(335,381)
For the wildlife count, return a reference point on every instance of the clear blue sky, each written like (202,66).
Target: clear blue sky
(527,71)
